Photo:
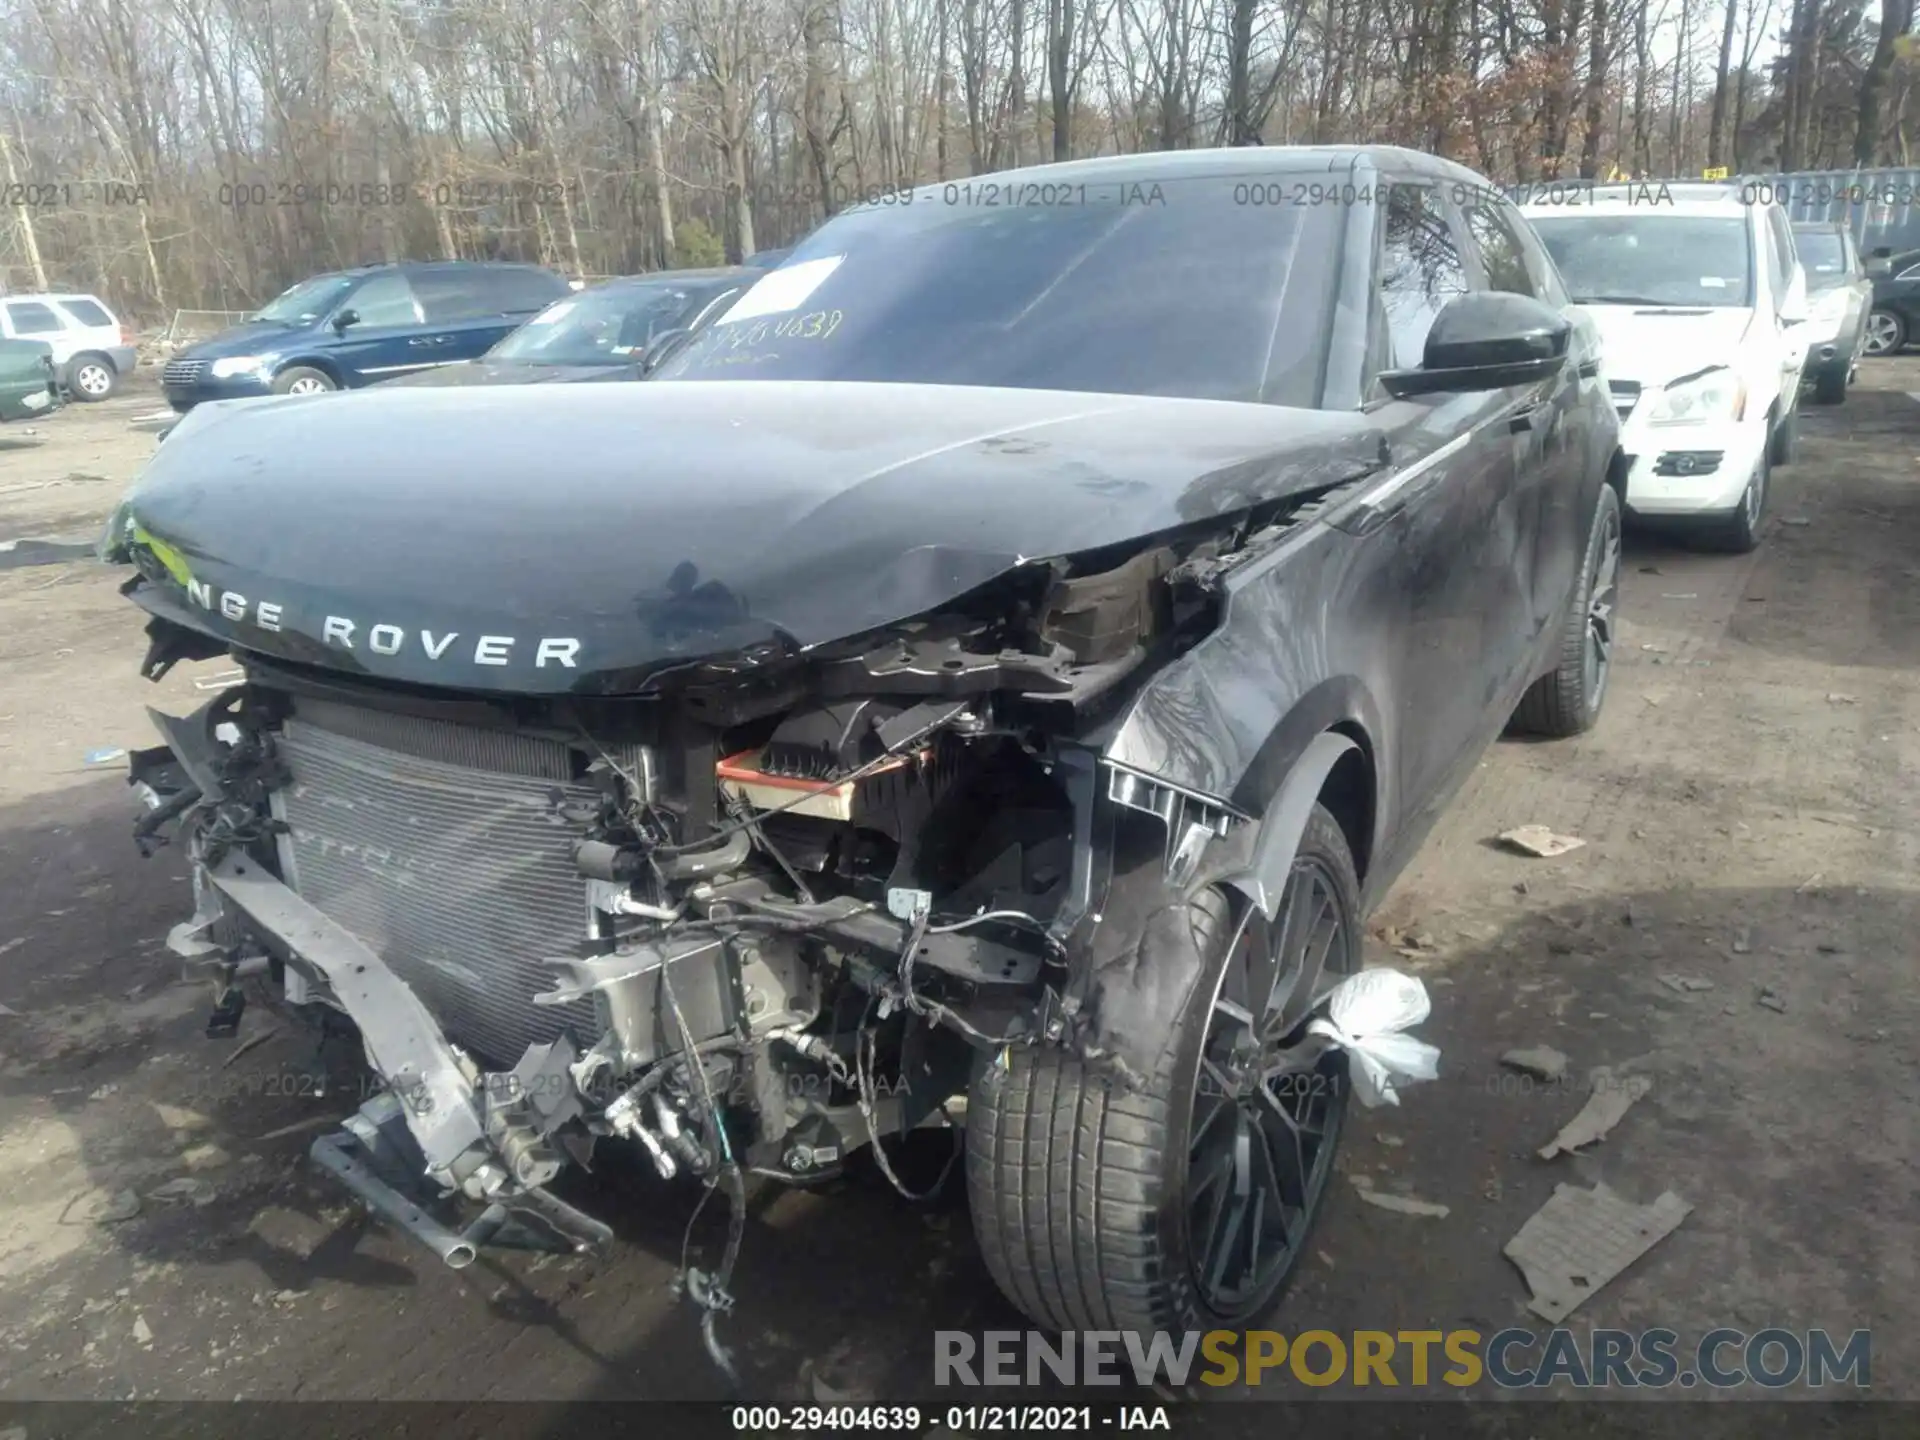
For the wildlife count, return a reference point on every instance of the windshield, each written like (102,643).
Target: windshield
(1176,288)
(1822,252)
(1652,259)
(305,302)
(607,326)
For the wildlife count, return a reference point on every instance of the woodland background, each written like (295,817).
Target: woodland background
(609,136)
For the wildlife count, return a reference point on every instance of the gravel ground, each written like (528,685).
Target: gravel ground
(1747,805)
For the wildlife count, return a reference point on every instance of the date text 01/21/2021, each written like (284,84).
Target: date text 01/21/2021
(967,1419)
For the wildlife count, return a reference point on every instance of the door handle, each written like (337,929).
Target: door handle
(1589,369)
(1523,422)
(420,340)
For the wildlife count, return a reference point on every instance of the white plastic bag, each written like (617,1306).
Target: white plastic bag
(1366,1014)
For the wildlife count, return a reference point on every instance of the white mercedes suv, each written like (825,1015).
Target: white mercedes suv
(1701,302)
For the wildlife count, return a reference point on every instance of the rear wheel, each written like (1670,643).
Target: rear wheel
(1185,1204)
(92,378)
(302,380)
(1886,333)
(1567,700)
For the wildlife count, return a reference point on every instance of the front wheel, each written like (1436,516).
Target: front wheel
(1886,333)
(1567,700)
(302,380)
(1185,1204)
(1739,533)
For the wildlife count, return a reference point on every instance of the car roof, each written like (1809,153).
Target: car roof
(1226,161)
(57,295)
(1651,197)
(414,266)
(674,277)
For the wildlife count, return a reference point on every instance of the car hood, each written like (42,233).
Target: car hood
(249,339)
(575,539)
(1651,346)
(510,372)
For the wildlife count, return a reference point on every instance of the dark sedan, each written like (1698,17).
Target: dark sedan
(611,332)
(1895,321)
(1005,655)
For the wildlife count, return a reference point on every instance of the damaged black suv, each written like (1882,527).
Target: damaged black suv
(982,682)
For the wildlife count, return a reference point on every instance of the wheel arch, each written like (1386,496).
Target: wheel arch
(1618,468)
(325,366)
(1119,997)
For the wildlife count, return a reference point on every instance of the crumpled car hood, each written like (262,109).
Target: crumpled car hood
(1652,346)
(572,538)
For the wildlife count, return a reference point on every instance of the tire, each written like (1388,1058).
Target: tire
(91,378)
(1830,385)
(1081,1190)
(1784,438)
(302,380)
(1886,333)
(1566,701)
(1739,532)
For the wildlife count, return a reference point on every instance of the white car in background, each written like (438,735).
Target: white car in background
(92,350)
(1701,303)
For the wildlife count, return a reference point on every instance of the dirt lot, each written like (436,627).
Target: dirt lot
(1747,805)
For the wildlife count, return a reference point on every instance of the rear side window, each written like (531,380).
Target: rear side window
(1420,270)
(385,300)
(1500,252)
(87,313)
(448,295)
(521,290)
(32,318)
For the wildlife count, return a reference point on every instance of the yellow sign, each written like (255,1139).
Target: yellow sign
(1718,172)
(1905,47)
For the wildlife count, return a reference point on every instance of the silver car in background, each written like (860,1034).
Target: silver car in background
(1839,299)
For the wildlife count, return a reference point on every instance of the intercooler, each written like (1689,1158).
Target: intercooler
(443,847)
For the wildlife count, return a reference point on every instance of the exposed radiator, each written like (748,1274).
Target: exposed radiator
(440,846)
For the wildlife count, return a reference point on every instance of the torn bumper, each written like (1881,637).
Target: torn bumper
(435,1117)
(442,1120)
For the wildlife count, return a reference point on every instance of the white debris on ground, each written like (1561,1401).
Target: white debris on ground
(1539,841)
(1581,1239)
(1610,1098)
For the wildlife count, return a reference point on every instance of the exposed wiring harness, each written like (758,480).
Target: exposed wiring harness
(708,1289)
(933,1011)
(864,1058)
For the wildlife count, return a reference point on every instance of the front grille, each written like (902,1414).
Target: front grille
(442,848)
(183,373)
(1626,395)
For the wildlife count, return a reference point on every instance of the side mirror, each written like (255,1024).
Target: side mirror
(345,318)
(1487,340)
